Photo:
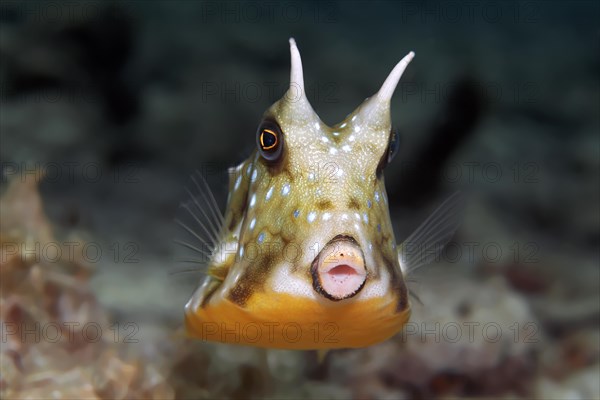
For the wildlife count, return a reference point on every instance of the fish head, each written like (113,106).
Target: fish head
(311,244)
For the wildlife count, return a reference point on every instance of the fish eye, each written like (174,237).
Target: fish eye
(269,140)
(394,145)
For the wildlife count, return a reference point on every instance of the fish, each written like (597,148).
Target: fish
(304,256)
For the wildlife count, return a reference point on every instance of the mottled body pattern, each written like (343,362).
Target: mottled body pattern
(269,282)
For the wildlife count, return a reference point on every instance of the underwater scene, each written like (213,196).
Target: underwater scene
(300,200)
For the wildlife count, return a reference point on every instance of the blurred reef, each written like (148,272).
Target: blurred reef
(108,107)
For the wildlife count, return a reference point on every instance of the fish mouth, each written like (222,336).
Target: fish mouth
(338,271)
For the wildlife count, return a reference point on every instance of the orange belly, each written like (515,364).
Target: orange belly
(278,320)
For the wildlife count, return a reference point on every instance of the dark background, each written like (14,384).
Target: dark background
(121,101)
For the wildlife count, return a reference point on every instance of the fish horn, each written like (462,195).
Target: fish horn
(389,86)
(295,97)
(296,74)
(377,107)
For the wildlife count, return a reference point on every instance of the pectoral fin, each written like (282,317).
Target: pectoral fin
(426,243)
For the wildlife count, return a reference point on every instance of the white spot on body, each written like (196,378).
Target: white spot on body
(269,193)
(339,172)
(238,181)
(254,175)
(377,196)
(311,176)
(324,139)
(353,118)
(253,200)
(351,138)
(357,128)
(326,216)
(346,148)
(311,216)
(285,190)
(332,150)
(336,134)
(343,125)
(317,125)
(252,223)
(365,218)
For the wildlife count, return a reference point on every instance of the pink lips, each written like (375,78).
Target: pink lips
(340,269)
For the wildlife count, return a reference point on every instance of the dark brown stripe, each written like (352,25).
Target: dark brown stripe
(252,280)
(402,297)
(241,293)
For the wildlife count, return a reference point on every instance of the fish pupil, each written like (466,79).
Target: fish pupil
(268,139)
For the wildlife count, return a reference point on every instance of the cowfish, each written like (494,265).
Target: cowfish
(305,256)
